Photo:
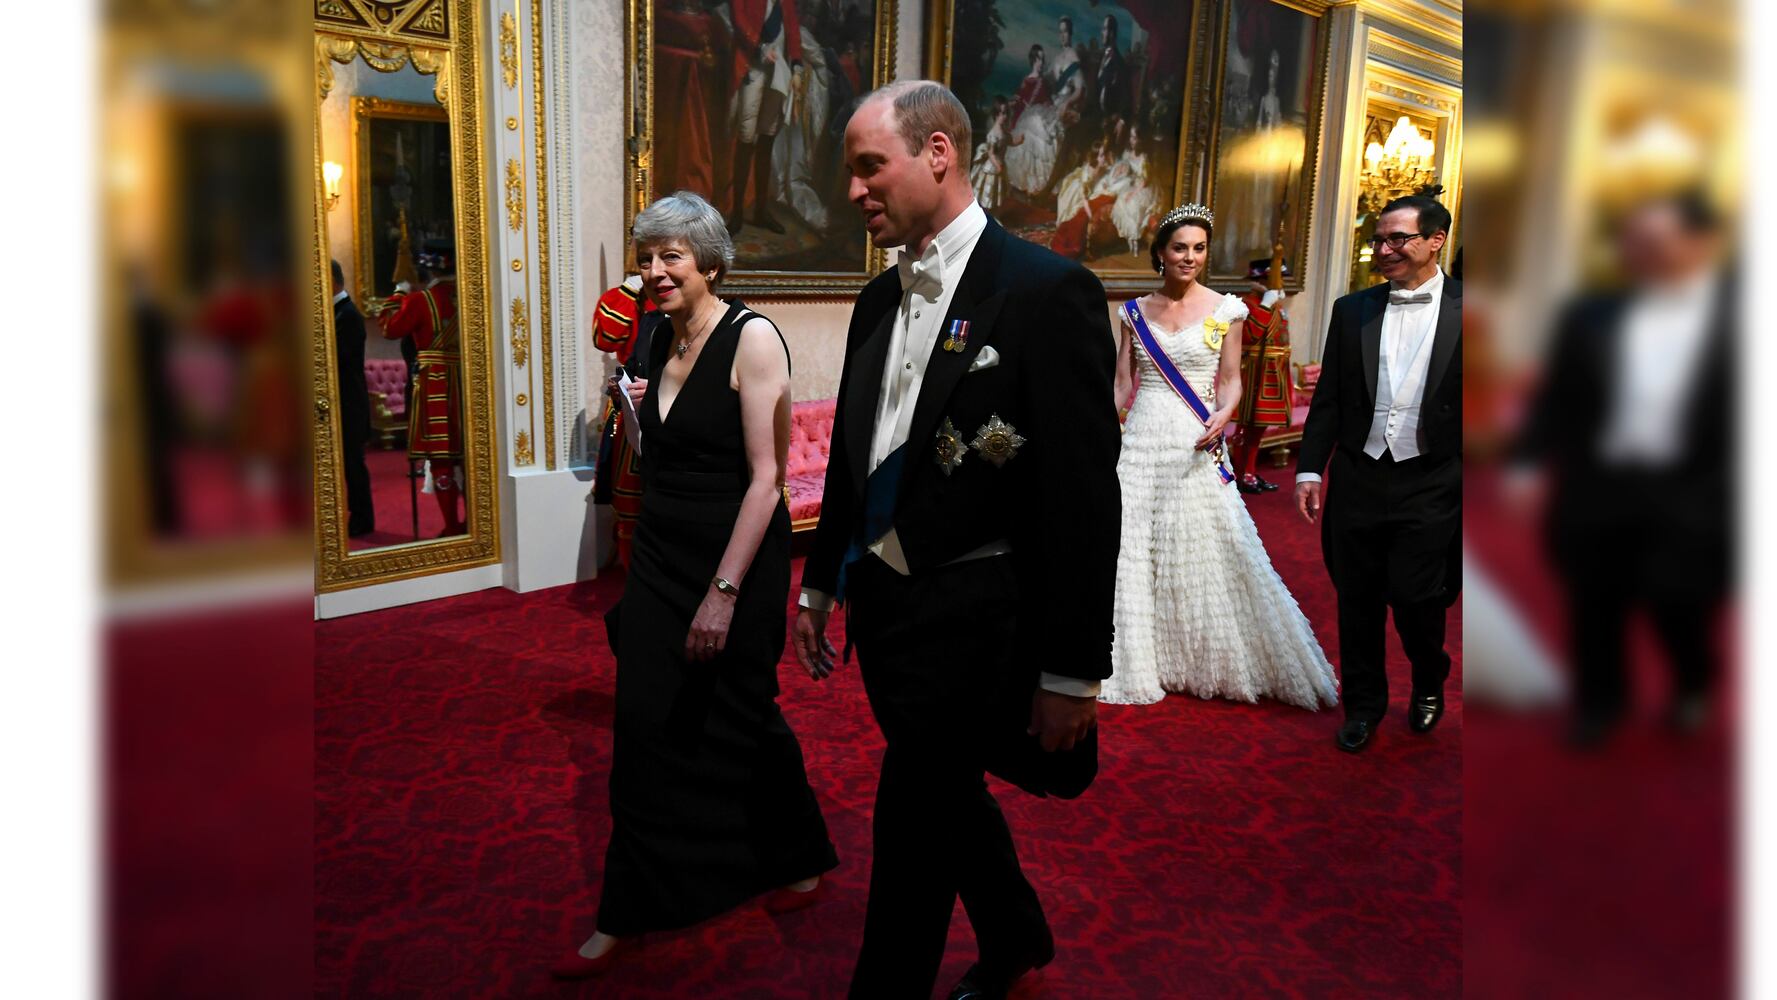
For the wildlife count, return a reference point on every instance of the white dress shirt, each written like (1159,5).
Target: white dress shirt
(342,293)
(1663,333)
(1403,362)
(928,285)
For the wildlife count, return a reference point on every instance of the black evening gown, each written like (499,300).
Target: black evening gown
(710,805)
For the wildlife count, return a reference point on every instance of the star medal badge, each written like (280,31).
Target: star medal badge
(948,447)
(958,337)
(997,441)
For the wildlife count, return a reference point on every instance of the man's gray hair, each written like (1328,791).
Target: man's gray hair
(684,217)
(923,107)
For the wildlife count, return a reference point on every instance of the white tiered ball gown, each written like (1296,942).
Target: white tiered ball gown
(1199,608)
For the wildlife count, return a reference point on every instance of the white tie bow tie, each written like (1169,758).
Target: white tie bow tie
(1408,298)
(926,272)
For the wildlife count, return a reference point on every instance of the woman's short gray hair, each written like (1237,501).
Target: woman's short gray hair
(685,217)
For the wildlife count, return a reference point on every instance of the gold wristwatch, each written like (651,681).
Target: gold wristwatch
(725,587)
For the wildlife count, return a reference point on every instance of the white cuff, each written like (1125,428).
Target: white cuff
(1072,686)
(814,600)
(1307,477)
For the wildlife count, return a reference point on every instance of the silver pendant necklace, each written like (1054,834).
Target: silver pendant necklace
(684,346)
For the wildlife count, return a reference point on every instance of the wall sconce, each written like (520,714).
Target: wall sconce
(330,175)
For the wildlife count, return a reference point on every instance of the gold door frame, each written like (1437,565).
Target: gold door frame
(439,37)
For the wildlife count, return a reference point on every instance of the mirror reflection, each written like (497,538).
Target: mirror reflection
(387,178)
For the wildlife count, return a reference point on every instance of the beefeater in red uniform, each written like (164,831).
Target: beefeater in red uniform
(435,420)
(1264,369)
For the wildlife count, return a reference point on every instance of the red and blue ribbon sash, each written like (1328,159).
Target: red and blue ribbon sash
(1173,377)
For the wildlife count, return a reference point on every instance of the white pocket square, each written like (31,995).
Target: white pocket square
(986,359)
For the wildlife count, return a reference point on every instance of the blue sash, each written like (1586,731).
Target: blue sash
(1173,377)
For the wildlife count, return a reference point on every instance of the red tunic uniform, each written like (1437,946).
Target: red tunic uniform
(1264,366)
(435,422)
(614,324)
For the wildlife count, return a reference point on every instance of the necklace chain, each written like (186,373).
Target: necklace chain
(684,345)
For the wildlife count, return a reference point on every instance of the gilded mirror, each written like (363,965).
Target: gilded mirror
(404,476)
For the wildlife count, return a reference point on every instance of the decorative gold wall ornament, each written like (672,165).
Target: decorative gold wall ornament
(509,50)
(521,333)
(522,400)
(521,447)
(387,57)
(517,265)
(454,57)
(543,290)
(511,124)
(514,194)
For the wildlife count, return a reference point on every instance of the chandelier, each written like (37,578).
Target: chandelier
(1403,163)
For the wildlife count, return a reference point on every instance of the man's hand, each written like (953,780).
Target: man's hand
(813,651)
(1308,501)
(1061,720)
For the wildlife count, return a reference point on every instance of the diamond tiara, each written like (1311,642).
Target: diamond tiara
(1191,211)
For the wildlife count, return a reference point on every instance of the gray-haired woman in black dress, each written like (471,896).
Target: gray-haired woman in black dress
(710,805)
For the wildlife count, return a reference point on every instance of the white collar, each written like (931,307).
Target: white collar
(343,294)
(1433,284)
(959,235)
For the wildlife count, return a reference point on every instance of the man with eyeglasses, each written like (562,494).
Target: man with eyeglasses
(1387,415)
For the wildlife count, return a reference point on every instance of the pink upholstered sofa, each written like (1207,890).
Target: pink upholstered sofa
(384,378)
(805,473)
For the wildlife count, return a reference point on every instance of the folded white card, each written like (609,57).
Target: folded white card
(632,427)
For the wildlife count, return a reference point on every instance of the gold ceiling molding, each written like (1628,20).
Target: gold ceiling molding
(514,194)
(422,21)
(1439,21)
(521,333)
(509,50)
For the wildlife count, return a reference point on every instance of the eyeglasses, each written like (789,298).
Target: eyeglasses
(1394,240)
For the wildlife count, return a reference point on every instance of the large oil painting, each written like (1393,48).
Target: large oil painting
(1269,116)
(1078,111)
(745,102)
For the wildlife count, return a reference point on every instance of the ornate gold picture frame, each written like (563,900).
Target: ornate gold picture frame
(370,221)
(441,38)
(1270,93)
(700,96)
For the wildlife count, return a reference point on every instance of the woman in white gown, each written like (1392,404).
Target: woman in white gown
(1199,609)
(1036,131)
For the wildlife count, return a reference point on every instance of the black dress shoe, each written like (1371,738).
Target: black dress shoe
(1424,712)
(1355,734)
(1246,485)
(1266,484)
(993,982)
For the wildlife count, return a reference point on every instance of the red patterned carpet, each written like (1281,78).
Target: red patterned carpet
(1228,850)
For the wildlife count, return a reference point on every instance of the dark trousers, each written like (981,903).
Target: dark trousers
(361,512)
(1643,544)
(1388,535)
(933,651)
